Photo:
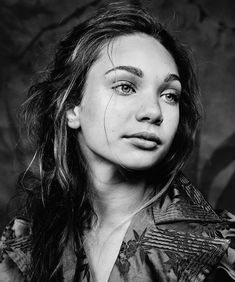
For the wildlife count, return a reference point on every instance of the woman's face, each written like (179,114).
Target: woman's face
(129,113)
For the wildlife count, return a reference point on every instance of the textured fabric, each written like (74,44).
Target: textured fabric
(15,246)
(178,238)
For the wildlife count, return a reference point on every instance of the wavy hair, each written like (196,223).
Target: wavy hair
(59,201)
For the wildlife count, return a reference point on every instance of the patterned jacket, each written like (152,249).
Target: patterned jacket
(179,238)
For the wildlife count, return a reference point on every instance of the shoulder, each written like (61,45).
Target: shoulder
(15,247)
(201,238)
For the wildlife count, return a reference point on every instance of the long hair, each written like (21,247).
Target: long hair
(59,199)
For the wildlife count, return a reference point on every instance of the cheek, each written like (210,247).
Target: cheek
(172,123)
(122,107)
(88,111)
(117,113)
(92,109)
(175,121)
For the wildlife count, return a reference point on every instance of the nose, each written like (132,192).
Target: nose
(150,112)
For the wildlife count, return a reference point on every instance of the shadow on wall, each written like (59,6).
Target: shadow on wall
(15,156)
(221,161)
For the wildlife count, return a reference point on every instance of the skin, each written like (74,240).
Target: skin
(118,103)
(128,90)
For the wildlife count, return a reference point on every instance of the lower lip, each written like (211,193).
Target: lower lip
(142,143)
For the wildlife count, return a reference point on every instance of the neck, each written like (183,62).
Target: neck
(117,194)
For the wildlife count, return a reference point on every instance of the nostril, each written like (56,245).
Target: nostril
(159,121)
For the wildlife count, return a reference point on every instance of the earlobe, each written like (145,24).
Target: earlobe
(73,117)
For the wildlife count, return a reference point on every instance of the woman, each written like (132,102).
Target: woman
(113,123)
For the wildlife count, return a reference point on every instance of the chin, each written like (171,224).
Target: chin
(142,162)
(140,165)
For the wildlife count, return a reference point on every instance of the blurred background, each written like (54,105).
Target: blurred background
(29,30)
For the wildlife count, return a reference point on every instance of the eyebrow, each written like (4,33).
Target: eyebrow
(136,71)
(172,77)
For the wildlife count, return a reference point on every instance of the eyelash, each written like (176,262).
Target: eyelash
(121,85)
(175,97)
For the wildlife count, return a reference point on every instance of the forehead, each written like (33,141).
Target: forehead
(138,50)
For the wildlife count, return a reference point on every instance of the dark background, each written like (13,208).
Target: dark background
(29,30)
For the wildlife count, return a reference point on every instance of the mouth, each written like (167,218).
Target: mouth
(144,140)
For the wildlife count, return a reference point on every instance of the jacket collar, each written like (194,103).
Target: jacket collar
(184,203)
(189,225)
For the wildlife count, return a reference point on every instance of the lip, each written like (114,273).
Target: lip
(144,140)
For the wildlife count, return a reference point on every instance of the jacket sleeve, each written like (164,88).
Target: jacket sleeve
(15,247)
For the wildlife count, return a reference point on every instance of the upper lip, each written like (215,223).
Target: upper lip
(145,135)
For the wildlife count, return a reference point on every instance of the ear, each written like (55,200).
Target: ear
(73,117)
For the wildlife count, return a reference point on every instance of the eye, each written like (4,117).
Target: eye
(171,97)
(124,88)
